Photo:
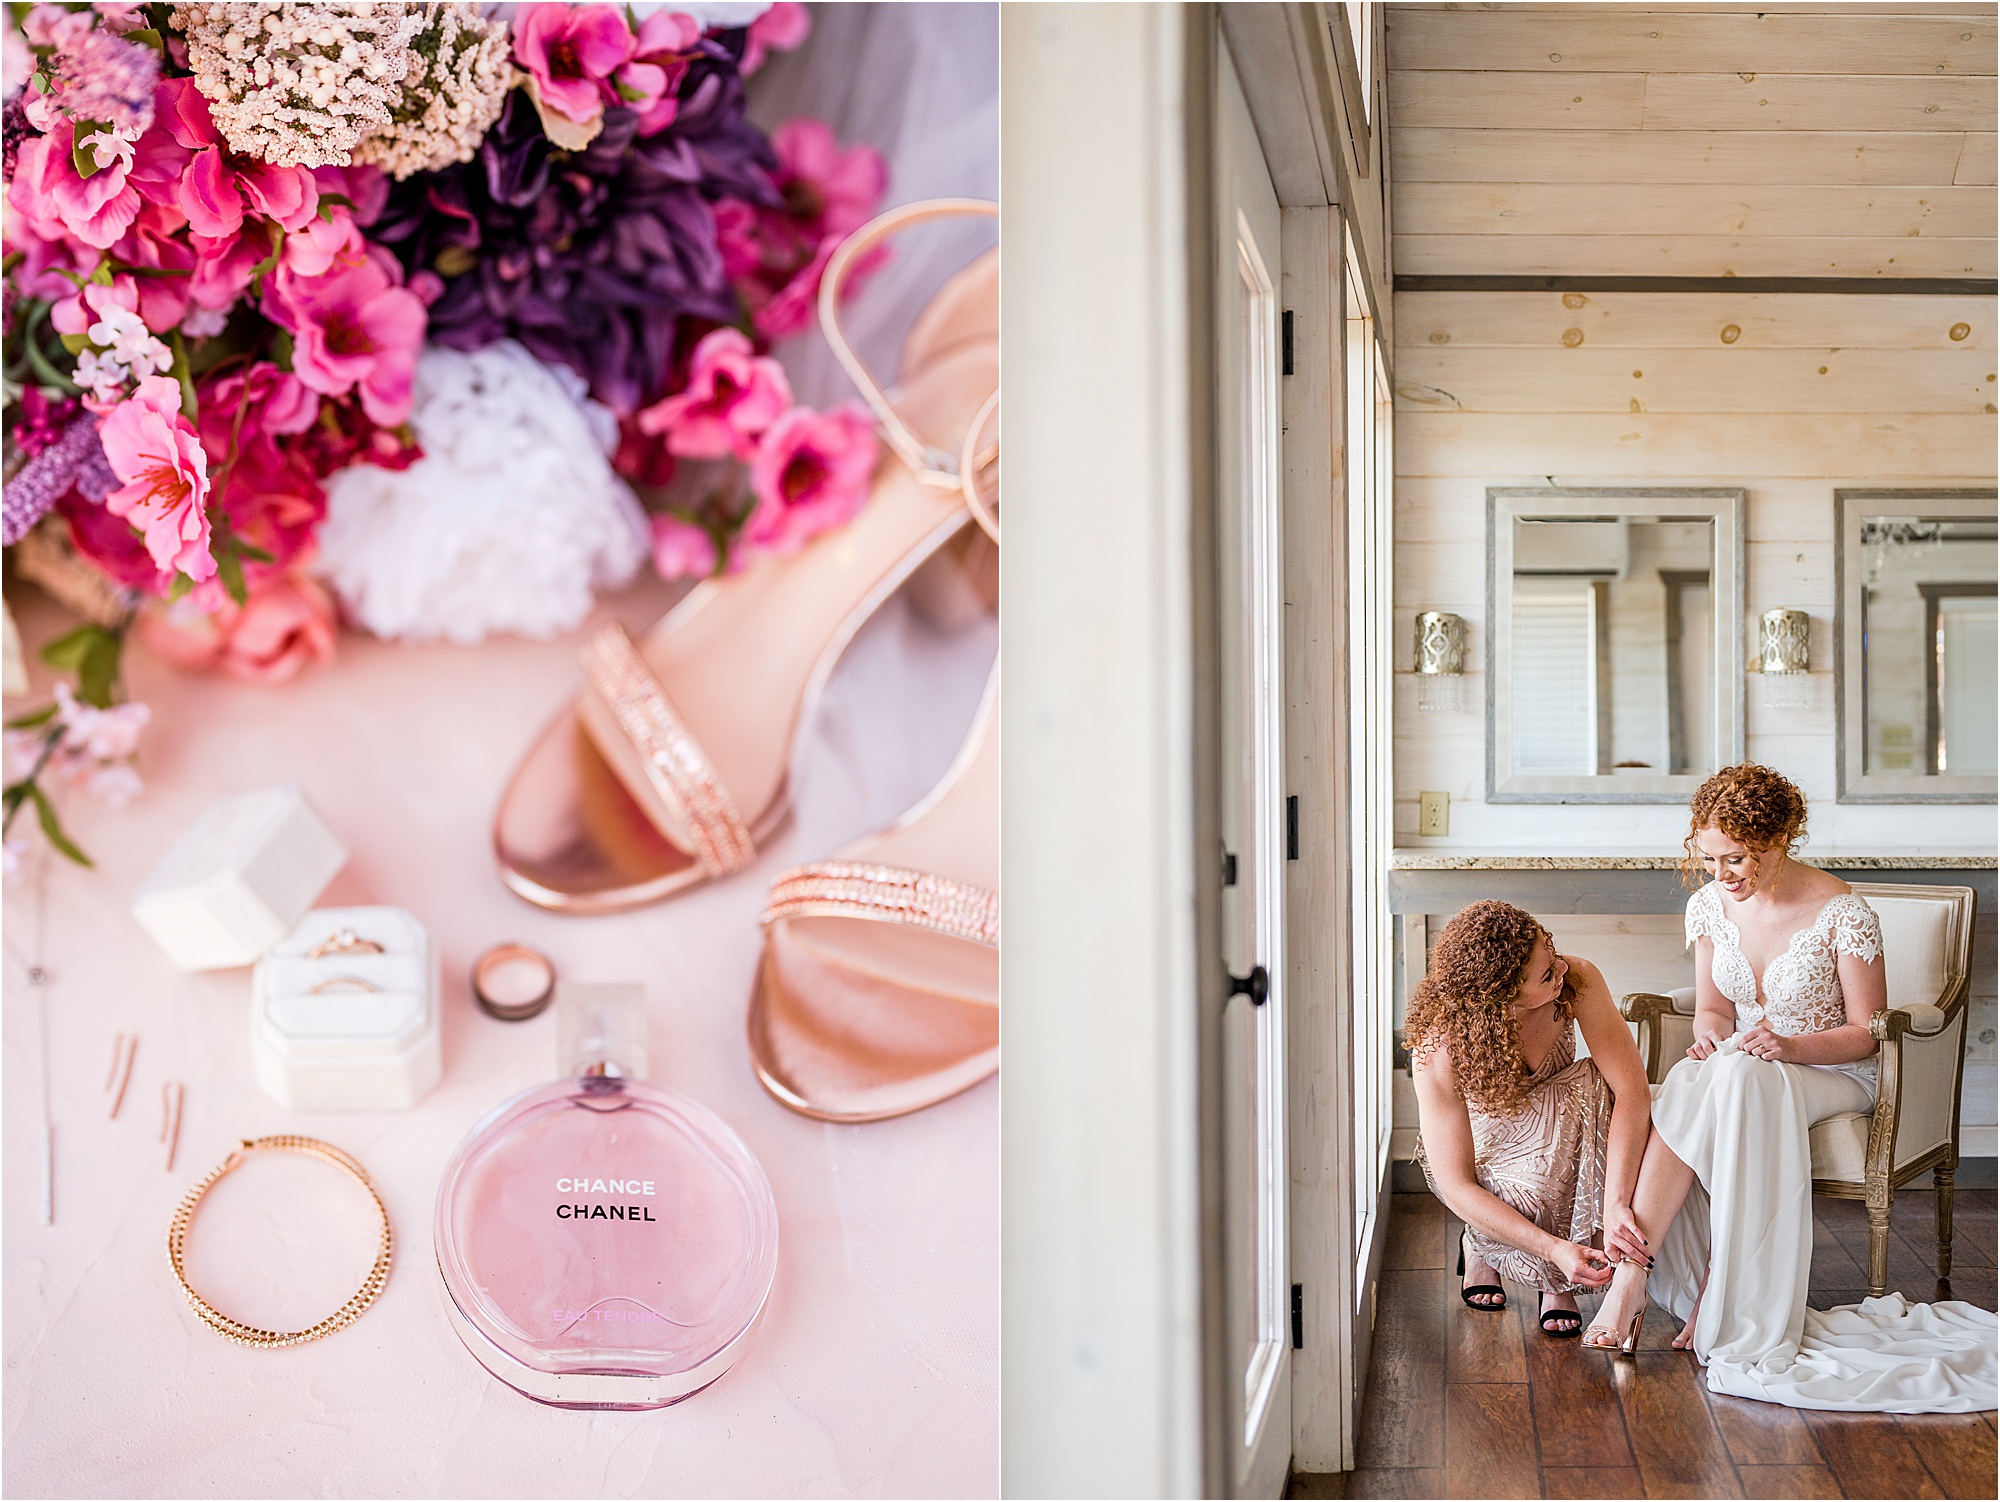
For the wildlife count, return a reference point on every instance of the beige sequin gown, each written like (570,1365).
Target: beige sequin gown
(1545,1159)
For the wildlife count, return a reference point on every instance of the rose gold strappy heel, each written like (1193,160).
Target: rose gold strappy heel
(879,989)
(669,769)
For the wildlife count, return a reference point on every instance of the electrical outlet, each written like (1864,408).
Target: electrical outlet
(1434,813)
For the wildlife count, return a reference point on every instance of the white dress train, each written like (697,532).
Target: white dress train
(1741,1123)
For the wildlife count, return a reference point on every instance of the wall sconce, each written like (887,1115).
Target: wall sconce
(1784,657)
(1440,660)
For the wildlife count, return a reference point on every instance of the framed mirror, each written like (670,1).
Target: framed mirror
(1917,645)
(1614,642)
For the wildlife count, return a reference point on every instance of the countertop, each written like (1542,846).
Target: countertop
(876,1368)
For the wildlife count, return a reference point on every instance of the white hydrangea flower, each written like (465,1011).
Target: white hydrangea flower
(511,521)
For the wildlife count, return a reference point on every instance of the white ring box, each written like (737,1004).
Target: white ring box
(345,1047)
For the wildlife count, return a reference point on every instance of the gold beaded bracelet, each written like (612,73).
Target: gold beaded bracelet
(250,1335)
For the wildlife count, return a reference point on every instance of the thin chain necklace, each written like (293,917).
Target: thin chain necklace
(37,975)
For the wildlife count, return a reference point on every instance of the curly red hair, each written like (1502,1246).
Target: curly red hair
(1758,808)
(1464,1003)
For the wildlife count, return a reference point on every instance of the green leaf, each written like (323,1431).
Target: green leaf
(30,721)
(281,350)
(97,676)
(76,344)
(251,550)
(258,271)
(229,569)
(52,827)
(67,652)
(181,585)
(148,38)
(328,202)
(80,155)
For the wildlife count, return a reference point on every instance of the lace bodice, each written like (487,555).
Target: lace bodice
(1802,985)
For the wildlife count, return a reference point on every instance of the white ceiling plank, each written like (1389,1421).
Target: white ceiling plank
(1520,101)
(1693,320)
(1659,445)
(1689,255)
(1976,163)
(1579,39)
(1910,158)
(1689,209)
(1592,378)
(1778,101)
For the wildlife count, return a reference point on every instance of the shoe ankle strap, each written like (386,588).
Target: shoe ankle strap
(931,467)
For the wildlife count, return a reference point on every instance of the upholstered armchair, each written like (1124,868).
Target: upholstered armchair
(1927,944)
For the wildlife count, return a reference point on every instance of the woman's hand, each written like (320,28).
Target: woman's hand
(1705,1042)
(1581,1264)
(1762,1043)
(1623,1240)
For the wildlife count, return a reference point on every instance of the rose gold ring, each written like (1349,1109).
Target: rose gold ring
(512,982)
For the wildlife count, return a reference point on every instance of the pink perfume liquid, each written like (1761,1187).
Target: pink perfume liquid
(605,1243)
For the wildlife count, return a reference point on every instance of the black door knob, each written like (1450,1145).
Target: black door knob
(1256,985)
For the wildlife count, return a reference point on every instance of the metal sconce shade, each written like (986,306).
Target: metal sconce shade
(1784,657)
(1784,642)
(1440,642)
(1440,660)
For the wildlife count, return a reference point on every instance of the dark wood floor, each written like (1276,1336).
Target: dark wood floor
(1467,1404)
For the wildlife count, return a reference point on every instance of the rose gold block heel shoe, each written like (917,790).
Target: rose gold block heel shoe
(1628,1345)
(669,769)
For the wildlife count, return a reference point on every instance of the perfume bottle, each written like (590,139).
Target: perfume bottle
(605,1243)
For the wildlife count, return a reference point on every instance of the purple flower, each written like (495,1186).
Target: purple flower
(50,475)
(110,79)
(589,258)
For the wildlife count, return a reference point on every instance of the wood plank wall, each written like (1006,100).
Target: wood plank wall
(1787,395)
(1705,140)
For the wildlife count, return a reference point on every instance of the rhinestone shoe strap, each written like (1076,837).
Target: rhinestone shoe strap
(886,894)
(676,764)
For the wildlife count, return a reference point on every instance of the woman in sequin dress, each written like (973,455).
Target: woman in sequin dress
(1533,1148)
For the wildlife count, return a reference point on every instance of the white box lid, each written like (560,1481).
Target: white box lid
(238,879)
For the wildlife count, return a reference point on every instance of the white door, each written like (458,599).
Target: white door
(1256,1269)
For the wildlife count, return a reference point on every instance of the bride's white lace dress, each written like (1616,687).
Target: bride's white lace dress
(1741,1124)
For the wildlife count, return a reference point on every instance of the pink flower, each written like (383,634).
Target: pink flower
(155,451)
(781,28)
(356,329)
(569,53)
(681,550)
(55,200)
(737,237)
(732,395)
(218,187)
(286,623)
(830,191)
(223,267)
(650,82)
(102,734)
(810,473)
(792,308)
(155,242)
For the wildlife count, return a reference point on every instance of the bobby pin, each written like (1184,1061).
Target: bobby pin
(124,1048)
(172,1094)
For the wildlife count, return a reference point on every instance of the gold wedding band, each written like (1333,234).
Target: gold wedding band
(345,983)
(250,1335)
(343,941)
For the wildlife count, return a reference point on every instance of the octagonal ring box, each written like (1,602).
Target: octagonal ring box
(345,1046)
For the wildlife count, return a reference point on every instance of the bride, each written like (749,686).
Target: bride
(1788,971)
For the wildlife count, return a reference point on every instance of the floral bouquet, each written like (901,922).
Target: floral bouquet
(239,236)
